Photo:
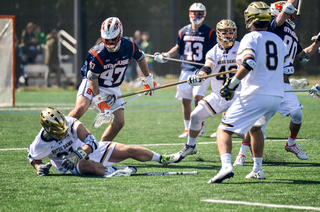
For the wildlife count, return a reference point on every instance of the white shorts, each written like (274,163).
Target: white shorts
(215,104)
(100,155)
(246,111)
(289,102)
(186,91)
(85,90)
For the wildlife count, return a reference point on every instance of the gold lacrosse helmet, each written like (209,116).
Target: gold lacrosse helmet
(257,11)
(53,121)
(222,28)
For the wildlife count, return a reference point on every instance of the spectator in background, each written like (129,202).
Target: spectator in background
(41,38)
(19,67)
(131,71)
(29,43)
(137,37)
(52,58)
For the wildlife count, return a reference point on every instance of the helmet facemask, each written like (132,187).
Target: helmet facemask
(54,122)
(226,31)
(111,33)
(197,13)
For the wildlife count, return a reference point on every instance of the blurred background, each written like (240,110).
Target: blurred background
(162,19)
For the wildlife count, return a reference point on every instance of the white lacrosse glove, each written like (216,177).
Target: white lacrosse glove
(314,91)
(103,102)
(160,58)
(316,37)
(194,80)
(148,83)
(43,169)
(73,158)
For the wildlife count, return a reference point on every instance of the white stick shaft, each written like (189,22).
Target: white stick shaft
(177,60)
(127,102)
(299,8)
(169,173)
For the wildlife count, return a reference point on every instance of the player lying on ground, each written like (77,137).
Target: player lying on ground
(70,146)
(222,57)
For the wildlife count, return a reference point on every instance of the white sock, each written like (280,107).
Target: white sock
(291,140)
(186,124)
(225,160)
(191,141)
(243,148)
(257,164)
(155,157)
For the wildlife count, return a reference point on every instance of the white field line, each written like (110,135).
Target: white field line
(176,144)
(261,204)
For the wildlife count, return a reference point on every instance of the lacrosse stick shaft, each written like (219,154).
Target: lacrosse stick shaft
(299,8)
(177,60)
(167,173)
(175,83)
(127,102)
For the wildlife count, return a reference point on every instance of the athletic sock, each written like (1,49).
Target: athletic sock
(291,140)
(156,157)
(243,148)
(225,160)
(186,124)
(257,164)
(191,141)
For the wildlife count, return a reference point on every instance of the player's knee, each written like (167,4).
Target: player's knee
(195,121)
(296,116)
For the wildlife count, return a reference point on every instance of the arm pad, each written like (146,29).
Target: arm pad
(91,76)
(142,57)
(206,69)
(91,141)
(249,63)
(303,58)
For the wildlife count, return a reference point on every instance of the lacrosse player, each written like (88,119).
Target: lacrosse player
(260,57)
(194,41)
(221,58)
(283,23)
(70,146)
(103,72)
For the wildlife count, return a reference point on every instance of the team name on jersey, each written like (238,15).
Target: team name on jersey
(193,38)
(61,148)
(292,33)
(226,61)
(119,63)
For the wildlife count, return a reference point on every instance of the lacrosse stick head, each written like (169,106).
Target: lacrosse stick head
(106,117)
(314,91)
(298,84)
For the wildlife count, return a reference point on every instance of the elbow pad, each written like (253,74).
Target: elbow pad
(91,76)
(206,69)
(303,58)
(91,141)
(249,63)
(142,57)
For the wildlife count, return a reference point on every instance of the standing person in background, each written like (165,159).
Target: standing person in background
(193,43)
(132,72)
(29,44)
(52,58)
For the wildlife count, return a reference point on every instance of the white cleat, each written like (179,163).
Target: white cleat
(213,135)
(187,150)
(258,175)
(167,159)
(222,175)
(298,152)
(121,173)
(184,134)
(203,128)
(239,160)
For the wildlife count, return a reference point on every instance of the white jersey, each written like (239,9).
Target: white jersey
(269,52)
(222,60)
(53,149)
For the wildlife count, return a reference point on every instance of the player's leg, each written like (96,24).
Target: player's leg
(89,167)
(114,128)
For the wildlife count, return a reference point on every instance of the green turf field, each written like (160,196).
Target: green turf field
(155,122)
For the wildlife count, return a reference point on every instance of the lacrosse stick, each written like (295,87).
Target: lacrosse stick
(166,173)
(299,8)
(177,60)
(107,116)
(314,91)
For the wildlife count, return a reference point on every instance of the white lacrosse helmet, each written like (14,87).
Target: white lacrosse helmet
(197,18)
(111,33)
(276,9)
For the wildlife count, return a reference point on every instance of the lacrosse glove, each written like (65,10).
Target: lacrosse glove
(73,158)
(316,37)
(160,58)
(194,80)
(43,169)
(227,92)
(99,102)
(148,83)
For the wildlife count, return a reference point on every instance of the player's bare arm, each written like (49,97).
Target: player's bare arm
(308,52)
(174,51)
(287,10)
(94,83)
(144,67)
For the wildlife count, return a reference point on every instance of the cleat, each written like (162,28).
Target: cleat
(167,159)
(203,128)
(239,160)
(184,134)
(222,175)
(213,135)
(258,175)
(126,172)
(298,152)
(133,169)
(187,150)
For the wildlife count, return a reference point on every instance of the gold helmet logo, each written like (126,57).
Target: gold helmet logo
(257,11)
